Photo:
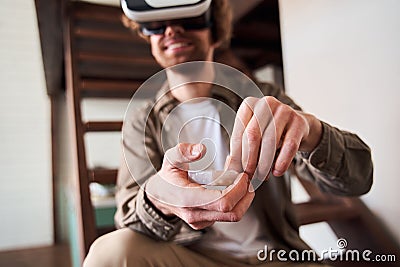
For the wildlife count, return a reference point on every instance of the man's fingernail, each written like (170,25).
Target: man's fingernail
(196,149)
(251,188)
(277,173)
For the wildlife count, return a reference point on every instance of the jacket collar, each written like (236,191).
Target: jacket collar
(165,101)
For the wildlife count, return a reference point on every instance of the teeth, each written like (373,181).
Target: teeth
(177,45)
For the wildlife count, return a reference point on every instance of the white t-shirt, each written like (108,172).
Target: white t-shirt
(198,121)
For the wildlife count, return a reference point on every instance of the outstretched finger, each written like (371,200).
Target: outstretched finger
(290,146)
(243,116)
(267,152)
(253,135)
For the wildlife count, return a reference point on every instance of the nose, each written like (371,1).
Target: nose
(172,30)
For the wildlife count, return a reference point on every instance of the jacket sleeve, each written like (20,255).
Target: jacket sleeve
(341,164)
(140,160)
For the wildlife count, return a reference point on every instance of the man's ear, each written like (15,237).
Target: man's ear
(217,44)
(222,44)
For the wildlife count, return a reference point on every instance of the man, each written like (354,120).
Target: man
(168,219)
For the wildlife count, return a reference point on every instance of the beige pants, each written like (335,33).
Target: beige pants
(125,248)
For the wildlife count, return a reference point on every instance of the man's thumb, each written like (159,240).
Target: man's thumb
(185,153)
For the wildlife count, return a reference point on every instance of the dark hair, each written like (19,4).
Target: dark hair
(221,30)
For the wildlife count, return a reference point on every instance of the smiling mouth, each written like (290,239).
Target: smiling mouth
(177,45)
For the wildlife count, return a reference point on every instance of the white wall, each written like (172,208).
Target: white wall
(342,63)
(25,147)
(104,149)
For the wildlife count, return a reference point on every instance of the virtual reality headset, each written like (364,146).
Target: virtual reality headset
(143,11)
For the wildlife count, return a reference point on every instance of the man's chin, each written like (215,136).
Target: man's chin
(179,60)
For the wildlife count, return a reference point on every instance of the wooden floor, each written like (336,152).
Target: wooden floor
(59,256)
(54,256)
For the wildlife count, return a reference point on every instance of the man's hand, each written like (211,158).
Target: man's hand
(269,133)
(173,193)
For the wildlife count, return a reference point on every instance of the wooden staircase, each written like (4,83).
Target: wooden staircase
(103,59)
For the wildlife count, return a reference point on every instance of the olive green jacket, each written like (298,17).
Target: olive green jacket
(341,164)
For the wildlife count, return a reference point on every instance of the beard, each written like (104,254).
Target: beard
(200,50)
(172,60)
